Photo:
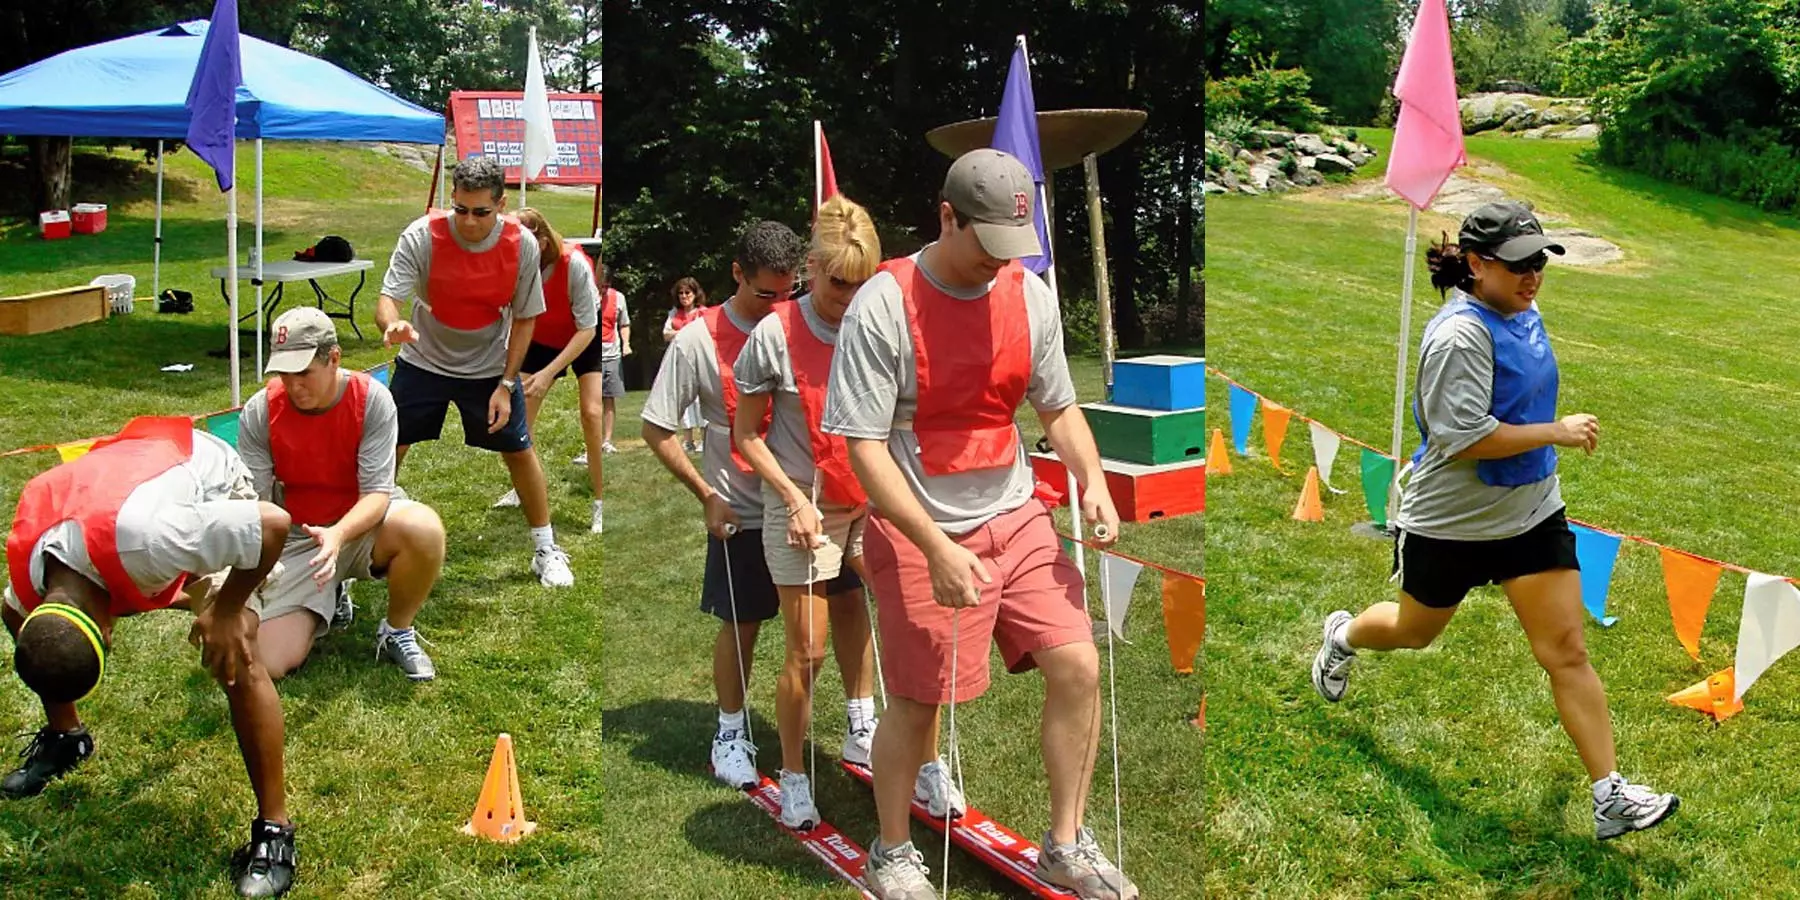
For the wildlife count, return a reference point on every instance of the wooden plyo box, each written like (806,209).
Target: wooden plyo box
(1160,382)
(1148,437)
(53,310)
(1141,493)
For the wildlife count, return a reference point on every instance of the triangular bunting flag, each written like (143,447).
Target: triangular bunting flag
(1596,551)
(1118,576)
(383,373)
(1243,408)
(73,451)
(224,426)
(1184,619)
(1769,628)
(1715,696)
(1275,425)
(1691,583)
(1218,462)
(1325,447)
(1377,478)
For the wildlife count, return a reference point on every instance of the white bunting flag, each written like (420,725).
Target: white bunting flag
(1325,448)
(1770,627)
(1117,579)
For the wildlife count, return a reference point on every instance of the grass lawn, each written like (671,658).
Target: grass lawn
(1444,773)
(668,824)
(381,773)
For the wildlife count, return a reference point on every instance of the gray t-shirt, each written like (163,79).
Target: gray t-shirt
(452,351)
(584,295)
(375,456)
(690,371)
(874,383)
(764,368)
(1445,498)
(615,348)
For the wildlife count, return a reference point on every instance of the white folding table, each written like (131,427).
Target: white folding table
(281,272)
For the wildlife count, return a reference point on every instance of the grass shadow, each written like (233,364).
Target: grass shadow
(719,830)
(666,733)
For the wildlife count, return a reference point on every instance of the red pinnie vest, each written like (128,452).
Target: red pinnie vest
(556,327)
(609,315)
(728,342)
(811,361)
(91,490)
(469,290)
(974,364)
(679,319)
(316,454)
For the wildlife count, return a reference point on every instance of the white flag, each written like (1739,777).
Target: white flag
(1117,579)
(1769,628)
(540,135)
(1325,448)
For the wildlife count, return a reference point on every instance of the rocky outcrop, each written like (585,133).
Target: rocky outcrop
(1274,161)
(1528,115)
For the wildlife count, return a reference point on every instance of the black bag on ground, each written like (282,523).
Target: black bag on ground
(174,301)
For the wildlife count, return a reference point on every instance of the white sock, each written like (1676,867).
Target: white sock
(543,537)
(1341,639)
(389,629)
(1604,787)
(862,712)
(731,723)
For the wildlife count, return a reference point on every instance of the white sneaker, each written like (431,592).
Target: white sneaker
(859,746)
(595,527)
(1331,666)
(1630,807)
(734,761)
(898,873)
(580,460)
(608,448)
(938,791)
(797,809)
(551,566)
(507,500)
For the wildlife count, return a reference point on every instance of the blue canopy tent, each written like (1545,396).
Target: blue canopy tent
(137,87)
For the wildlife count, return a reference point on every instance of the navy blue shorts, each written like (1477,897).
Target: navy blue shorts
(423,397)
(751,587)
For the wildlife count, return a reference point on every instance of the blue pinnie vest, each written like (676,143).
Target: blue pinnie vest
(1525,384)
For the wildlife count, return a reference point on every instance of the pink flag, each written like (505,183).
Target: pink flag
(824,179)
(1428,139)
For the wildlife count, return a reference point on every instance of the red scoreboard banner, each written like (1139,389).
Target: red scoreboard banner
(492,123)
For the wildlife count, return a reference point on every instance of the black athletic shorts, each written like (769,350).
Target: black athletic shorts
(1440,573)
(422,398)
(538,357)
(756,597)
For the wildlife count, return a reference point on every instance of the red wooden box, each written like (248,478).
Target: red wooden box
(1142,493)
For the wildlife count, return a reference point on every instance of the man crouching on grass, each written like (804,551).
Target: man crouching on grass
(118,532)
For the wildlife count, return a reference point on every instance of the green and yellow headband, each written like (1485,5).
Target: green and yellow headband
(86,625)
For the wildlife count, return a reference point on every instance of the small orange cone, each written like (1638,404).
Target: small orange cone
(1217,461)
(1309,509)
(1715,696)
(500,813)
(1200,721)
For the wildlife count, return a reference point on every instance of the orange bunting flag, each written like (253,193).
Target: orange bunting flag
(1309,509)
(1716,696)
(74,451)
(1184,619)
(1218,462)
(1691,582)
(1275,424)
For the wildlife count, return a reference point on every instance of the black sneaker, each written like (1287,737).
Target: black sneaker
(50,754)
(265,866)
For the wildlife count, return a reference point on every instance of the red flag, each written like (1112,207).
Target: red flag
(1428,138)
(824,179)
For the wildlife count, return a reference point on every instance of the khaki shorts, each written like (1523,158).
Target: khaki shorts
(294,589)
(793,566)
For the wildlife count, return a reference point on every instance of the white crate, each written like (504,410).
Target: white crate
(118,291)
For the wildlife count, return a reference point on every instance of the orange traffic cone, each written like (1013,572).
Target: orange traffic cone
(1309,509)
(1200,721)
(500,814)
(1217,462)
(1716,696)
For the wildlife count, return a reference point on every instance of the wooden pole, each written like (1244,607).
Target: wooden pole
(1102,286)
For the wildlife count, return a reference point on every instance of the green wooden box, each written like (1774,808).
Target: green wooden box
(1149,437)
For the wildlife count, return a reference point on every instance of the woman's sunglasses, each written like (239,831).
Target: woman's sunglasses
(1533,263)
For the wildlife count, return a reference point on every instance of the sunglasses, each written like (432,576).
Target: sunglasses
(1527,266)
(479,212)
(774,295)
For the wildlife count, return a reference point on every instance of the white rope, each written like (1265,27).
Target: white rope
(812,574)
(737,642)
(1112,669)
(955,644)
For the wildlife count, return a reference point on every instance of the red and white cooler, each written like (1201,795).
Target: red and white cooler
(54,225)
(88,218)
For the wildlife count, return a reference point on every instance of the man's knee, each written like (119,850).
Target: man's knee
(1074,667)
(417,529)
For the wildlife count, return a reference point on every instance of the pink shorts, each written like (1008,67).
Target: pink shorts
(1035,602)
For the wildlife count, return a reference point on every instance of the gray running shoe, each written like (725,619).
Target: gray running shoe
(897,873)
(1629,807)
(345,611)
(1331,668)
(401,647)
(938,791)
(1082,868)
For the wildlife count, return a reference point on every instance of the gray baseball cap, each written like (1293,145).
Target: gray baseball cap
(1508,231)
(296,336)
(995,191)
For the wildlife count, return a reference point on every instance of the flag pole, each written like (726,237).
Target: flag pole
(156,267)
(231,281)
(1406,292)
(257,372)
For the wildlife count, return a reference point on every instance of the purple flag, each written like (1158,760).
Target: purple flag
(212,98)
(1015,132)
